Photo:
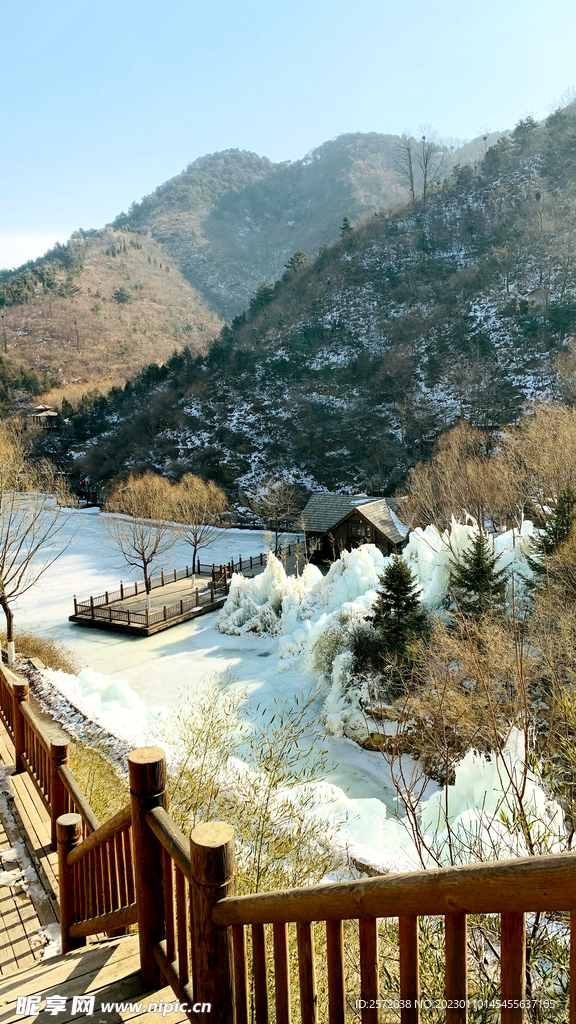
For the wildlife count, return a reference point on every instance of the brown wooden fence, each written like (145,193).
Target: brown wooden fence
(140,868)
(219,574)
(195,936)
(45,761)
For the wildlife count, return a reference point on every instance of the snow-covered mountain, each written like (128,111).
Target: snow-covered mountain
(344,372)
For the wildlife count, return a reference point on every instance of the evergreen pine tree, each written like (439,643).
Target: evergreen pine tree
(346,227)
(398,614)
(296,263)
(557,529)
(477,584)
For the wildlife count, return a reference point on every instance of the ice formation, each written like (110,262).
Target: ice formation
(477,824)
(111,703)
(303,610)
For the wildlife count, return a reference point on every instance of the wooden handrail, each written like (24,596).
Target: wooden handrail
(79,797)
(115,824)
(512,886)
(30,717)
(173,840)
(105,922)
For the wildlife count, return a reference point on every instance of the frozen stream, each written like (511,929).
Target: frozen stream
(159,667)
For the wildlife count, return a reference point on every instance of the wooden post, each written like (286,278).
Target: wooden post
(164,613)
(213,573)
(121,591)
(69,836)
(197,597)
(58,757)
(175,575)
(128,616)
(106,597)
(212,865)
(187,572)
(92,606)
(212,595)
(162,576)
(75,605)
(198,564)
(181,607)
(19,696)
(147,770)
(250,561)
(240,562)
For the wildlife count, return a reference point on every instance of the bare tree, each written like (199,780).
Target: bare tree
(33,499)
(431,159)
(276,503)
(142,530)
(404,161)
(198,507)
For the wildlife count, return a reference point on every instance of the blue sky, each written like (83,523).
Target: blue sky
(101,102)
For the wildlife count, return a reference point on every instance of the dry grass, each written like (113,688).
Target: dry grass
(107,793)
(53,654)
(90,338)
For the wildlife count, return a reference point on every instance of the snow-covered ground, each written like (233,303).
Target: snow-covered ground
(129,682)
(159,668)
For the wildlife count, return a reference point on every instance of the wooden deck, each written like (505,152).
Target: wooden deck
(107,970)
(24,908)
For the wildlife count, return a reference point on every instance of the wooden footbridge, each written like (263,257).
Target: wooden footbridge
(138,870)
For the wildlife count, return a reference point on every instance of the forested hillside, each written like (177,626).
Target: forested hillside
(345,371)
(99,308)
(233,219)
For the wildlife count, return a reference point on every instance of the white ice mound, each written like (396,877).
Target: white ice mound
(479,812)
(430,553)
(110,703)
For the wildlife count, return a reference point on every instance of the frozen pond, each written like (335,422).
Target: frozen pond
(159,667)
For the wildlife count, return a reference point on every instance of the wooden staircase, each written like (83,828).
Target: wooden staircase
(109,969)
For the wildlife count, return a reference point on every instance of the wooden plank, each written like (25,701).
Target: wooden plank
(281,973)
(260,974)
(79,966)
(307,972)
(513,966)
(240,973)
(37,825)
(409,969)
(106,922)
(456,968)
(335,964)
(369,988)
(47,909)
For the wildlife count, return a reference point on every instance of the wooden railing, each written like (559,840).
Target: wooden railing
(220,574)
(148,617)
(45,761)
(96,878)
(194,930)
